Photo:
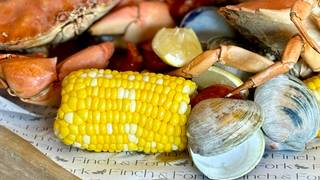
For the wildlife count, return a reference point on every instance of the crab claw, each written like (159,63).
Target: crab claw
(289,58)
(96,56)
(137,23)
(300,11)
(34,80)
(49,96)
(26,76)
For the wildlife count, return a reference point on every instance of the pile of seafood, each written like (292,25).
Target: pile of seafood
(224,80)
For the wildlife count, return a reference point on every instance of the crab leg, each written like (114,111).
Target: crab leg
(289,58)
(301,10)
(34,80)
(96,56)
(311,57)
(136,23)
(227,54)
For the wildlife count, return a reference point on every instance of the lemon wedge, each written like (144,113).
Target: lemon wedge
(215,75)
(176,46)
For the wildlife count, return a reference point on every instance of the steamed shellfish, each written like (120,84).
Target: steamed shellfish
(291,113)
(221,129)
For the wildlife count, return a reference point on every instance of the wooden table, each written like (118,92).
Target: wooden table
(20,160)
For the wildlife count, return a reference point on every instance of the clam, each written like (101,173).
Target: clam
(221,129)
(291,113)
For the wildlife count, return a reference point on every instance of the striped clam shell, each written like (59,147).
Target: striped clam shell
(218,125)
(291,113)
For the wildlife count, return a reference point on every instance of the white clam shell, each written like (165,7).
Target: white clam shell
(218,125)
(291,113)
(234,163)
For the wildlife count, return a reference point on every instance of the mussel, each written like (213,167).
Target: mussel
(219,130)
(292,115)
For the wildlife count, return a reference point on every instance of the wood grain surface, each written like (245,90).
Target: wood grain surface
(20,160)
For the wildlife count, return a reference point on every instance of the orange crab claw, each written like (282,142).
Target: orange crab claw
(50,96)
(26,76)
(137,23)
(34,79)
(96,56)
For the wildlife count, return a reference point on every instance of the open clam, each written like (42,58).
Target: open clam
(291,113)
(221,129)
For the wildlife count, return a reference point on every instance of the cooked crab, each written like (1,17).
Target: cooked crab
(136,23)
(268,21)
(25,24)
(294,22)
(37,80)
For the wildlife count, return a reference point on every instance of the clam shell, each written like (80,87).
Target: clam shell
(207,23)
(218,125)
(230,165)
(291,113)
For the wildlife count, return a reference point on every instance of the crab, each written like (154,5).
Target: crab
(26,24)
(286,27)
(37,80)
(136,22)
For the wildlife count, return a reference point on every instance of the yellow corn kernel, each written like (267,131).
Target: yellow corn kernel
(98,148)
(150,136)
(174,106)
(72,103)
(101,93)
(160,147)
(68,140)
(104,110)
(132,147)
(149,124)
(82,93)
(167,147)
(81,104)
(141,142)
(156,126)
(163,128)
(313,83)
(170,130)
(177,131)
(96,117)
(74,129)
(154,112)
(82,129)
(63,132)
(90,129)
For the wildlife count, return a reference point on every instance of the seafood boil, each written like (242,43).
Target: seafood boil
(212,77)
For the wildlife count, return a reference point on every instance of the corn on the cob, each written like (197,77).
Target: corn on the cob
(104,110)
(313,84)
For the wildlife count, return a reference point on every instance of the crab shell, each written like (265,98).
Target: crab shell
(268,23)
(263,22)
(25,24)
